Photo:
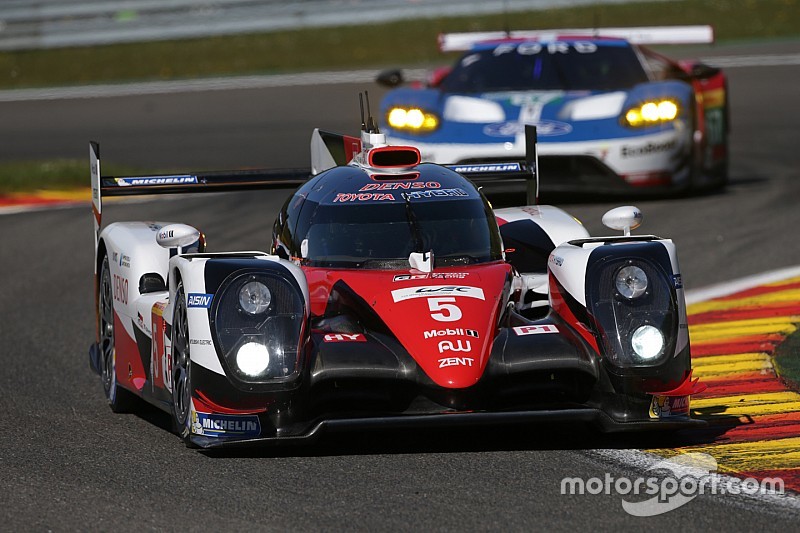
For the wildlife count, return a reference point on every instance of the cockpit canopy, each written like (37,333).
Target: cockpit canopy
(347,217)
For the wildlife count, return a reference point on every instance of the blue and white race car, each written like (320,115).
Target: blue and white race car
(611,114)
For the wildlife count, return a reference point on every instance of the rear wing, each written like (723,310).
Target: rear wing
(195,182)
(327,150)
(646,35)
(511,170)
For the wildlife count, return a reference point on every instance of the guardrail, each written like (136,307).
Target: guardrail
(31,24)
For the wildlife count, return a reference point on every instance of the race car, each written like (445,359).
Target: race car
(391,295)
(613,116)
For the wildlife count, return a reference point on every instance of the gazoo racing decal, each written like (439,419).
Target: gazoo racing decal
(215,425)
(344,337)
(535,330)
(432,275)
(456,361)
(156,180)
(196,299)
(428,291)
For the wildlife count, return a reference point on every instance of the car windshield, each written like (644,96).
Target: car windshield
(574,66)
(383,235)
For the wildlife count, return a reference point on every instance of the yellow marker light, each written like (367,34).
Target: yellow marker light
(413,119)
(651,113)
(667,110)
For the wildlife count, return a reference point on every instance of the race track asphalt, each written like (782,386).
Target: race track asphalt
(67,463)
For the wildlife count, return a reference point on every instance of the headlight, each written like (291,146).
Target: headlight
(254,297)
(412,119)
(634,303)
(647,342)
(252,358)
(631,282)
(651,113)
(258,318)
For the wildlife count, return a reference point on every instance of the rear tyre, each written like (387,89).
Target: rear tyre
(119,399)
(181,369)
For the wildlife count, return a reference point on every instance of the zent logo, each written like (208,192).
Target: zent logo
(455,361)
(199,300)
(535,330)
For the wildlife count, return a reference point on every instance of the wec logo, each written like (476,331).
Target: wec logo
(199,300)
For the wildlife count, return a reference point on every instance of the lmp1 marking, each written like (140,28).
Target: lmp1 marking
(535,330)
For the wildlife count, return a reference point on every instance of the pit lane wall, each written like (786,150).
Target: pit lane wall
(26,24)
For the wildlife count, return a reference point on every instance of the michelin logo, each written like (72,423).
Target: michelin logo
(159,180)
(215,425)
(471,169)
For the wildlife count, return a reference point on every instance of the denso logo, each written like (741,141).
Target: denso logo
(455,361)
(458,346)
(200,300)
(450,333)
(399,295)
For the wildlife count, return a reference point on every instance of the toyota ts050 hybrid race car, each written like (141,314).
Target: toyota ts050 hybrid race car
(391,296)
(613,116)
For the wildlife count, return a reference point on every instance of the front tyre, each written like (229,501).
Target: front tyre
(119,399)
(181,368)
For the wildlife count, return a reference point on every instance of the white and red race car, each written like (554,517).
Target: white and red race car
(391,295)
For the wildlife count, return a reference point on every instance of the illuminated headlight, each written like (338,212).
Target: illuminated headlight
(254,297)
(631,282)
(252,358)
(412,119)
(651,113)
(258,317)
(647,342)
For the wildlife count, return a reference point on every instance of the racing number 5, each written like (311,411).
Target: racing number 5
(450,313)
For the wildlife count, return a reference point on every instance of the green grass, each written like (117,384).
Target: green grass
(58,174)
(787,360)
(398,43)
(394,44)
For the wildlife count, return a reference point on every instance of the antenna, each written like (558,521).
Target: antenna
(361,103)
(371,125)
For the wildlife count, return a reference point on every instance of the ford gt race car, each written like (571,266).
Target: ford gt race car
(391,295)
(612,115)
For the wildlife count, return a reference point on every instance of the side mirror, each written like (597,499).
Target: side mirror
(623,219)
(177,236)
(390,78)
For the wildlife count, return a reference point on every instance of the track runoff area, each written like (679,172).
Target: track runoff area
(735,328)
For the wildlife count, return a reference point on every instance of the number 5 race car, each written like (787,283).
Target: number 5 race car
(391,296)
(613,115)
